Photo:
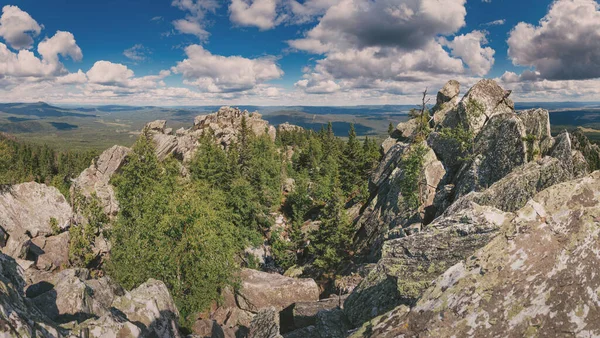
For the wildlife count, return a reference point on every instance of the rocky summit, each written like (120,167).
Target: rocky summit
(476,221)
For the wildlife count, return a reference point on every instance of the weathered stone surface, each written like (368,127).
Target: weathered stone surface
(305,313)
(332,324)
(387,209)
(515,189)
(96,178)
(537,279)
(55,251)
(265,324)
(591,152)
(387,144)
(537,128)
(448,151)
(408,264)
(446,101)
(261,290)
(405,131)
(20,318)
(484,100)
(498,149)
(158,125)
(25,212)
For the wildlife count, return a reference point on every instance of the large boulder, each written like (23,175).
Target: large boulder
(53,251)
(484,100)
(497,150)
(31,210)
(537,279)
(95,180)
(410,263)
(261,290)
(446,101)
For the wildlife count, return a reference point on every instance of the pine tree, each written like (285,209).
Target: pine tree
(390,128)
(352,159)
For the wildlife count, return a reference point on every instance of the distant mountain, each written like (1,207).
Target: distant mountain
(39,109)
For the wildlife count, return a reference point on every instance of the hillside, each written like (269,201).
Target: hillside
(471,219)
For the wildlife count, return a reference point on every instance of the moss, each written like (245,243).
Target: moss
(515,310)
(412,289)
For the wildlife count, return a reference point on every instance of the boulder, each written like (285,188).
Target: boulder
(538,278)
(54,251)
(498,149)
(26,211)
(484,100)
(206,328)
(151,305)
(446,101)
(265,324)
(405,131)
(158,125)
(261,290)
(286,127)
(408,264)
(332,324)
(96,178)
(305,313)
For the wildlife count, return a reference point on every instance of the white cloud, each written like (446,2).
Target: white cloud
(108,73)
(62,43)
(565,45)
(306,11)
(194,22)
(257,13)
(498,22)
(136,53)
(391,47)
(215,73)
(17,27)
(469,48)
(72,78)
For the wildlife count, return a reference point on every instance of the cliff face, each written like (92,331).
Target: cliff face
(511,158)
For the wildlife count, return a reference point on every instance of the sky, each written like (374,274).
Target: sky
(294,52)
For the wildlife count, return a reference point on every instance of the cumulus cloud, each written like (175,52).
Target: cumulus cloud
(62,43)
(469,48)
(393,47)
(302,12)
(194,22)
(257,13)
(72,78)
(564,45)
(215,73)
(17,27)
(364,23)
(498,22)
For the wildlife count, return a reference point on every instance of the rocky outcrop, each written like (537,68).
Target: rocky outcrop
(69,304)
(286,127)
(591,152)
(225,124)
(32,217)
(497,150)
(446,101)
(387,208)
(537,279)
(265,324)
(408,264)
(484,100)
(95,180)
(537,129)
(261,290)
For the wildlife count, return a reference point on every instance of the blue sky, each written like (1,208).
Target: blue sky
(294,52)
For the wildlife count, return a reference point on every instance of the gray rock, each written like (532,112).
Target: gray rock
(206,328)
(387,209)
(591,152)
(55,251)
(537,279)
(405,131)
(265,324)
(158,125)
(332,324)
(261,290)
(498,149)
(537,128)
(446,101)
(484,100)
(96,178)
(305,313)
(408,264)
(25,212)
